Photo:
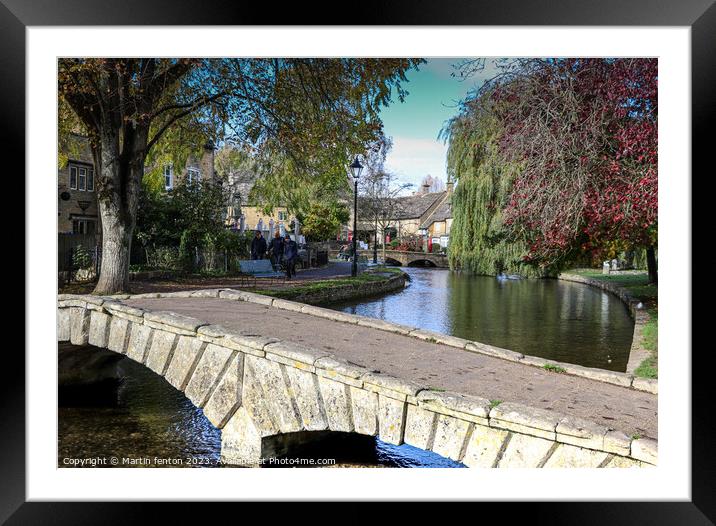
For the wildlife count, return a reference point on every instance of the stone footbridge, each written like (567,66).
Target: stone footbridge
(270,373)
(413,259)
(406,259)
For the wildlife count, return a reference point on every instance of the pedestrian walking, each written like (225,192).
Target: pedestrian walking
(290,254)
(258,246)
(276,250)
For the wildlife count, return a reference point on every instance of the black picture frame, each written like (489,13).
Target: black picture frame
(699,15)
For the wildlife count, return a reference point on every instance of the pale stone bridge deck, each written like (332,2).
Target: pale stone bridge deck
(262,368)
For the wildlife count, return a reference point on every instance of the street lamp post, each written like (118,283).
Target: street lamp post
(356,168)
(382,232)
(375,242)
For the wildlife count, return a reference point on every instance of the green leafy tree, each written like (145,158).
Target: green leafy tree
(189,217)
(301,119)
(324,220)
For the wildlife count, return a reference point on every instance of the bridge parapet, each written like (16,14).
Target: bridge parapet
(255,388)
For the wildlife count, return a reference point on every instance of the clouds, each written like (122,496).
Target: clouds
(411,159)
(415,124)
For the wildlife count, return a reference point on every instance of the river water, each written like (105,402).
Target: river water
(557,320)
(152,424)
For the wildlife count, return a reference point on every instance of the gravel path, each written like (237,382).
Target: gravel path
(433,365)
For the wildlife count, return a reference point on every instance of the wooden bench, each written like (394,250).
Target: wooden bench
(259,268)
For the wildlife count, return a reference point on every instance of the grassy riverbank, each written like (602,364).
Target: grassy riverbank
(326,287)
(639,287)
(314,290)
(637,284)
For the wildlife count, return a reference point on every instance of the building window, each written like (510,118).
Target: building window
(193,175)
(83,226)
(282,216)
(81,178)
(168,177)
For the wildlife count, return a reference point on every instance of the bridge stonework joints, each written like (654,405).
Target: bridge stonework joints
(255,388)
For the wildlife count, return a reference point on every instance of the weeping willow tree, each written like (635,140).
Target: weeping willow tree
(479,241)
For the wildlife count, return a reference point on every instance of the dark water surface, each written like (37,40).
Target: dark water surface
(557,320)
(149,421)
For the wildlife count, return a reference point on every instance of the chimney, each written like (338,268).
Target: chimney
(425,188)
(449,186)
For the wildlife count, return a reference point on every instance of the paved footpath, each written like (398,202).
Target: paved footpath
(334,269)
(433,365)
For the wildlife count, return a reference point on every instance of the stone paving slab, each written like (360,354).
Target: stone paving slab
(433,365)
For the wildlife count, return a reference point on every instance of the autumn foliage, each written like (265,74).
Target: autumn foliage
(583,133)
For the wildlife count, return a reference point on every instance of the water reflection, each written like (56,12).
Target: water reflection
(150,419)
(558,320)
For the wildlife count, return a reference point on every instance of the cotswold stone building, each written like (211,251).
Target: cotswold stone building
(423,213)
(438,224)
(245,212)
(77,189)
(195,170)
(76,195)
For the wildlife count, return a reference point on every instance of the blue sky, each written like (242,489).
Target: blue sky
(414,124)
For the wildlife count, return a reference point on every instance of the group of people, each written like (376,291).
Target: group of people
(281,250)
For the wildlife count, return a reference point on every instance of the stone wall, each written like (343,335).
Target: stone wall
(253,388)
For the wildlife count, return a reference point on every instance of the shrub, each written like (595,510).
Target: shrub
(81,258)
(164,258)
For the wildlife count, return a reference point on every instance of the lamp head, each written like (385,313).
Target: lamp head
(356,168)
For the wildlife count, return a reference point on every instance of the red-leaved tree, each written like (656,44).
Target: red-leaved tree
(584,132)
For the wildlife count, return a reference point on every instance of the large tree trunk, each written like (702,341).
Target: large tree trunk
(651,265)
(116,247)
(117,200)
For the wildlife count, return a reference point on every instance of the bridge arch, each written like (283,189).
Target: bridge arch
(260,393)
(393,262)
(255,389)
(414,259)
(422,263)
